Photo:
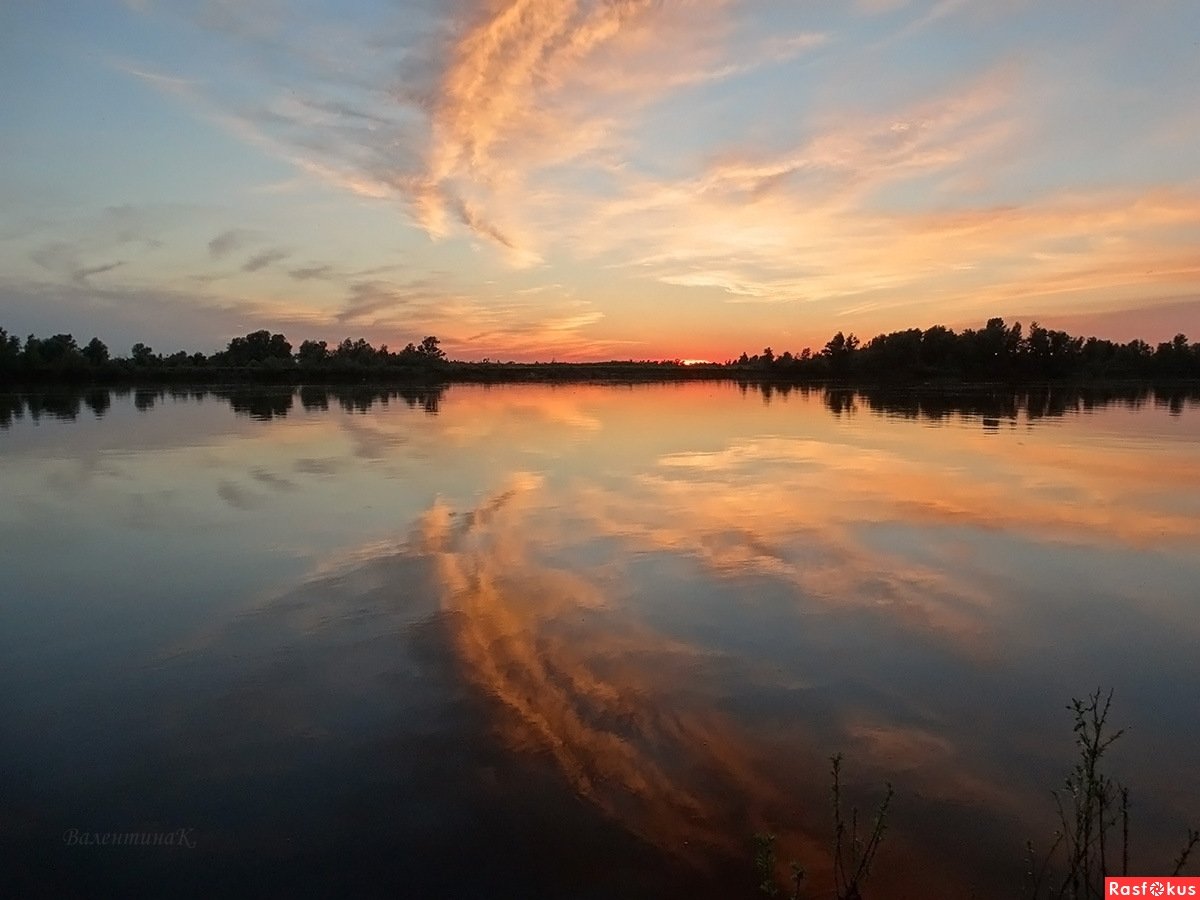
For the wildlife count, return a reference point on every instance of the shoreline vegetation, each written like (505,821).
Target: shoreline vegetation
(1090,842)
(996,353)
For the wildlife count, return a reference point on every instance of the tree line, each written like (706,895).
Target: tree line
(996,352)
(61,355)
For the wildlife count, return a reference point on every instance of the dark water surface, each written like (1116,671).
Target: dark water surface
(533,641)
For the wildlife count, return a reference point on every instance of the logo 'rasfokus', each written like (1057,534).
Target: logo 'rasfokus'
(1151,886)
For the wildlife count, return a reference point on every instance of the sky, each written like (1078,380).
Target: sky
(597,179)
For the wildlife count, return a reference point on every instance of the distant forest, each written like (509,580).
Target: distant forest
(996,352)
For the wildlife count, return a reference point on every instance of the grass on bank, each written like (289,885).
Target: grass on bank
(1091,841)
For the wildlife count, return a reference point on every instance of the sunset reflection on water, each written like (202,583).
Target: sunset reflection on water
(640,617)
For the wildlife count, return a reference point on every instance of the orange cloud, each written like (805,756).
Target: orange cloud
(538,84)
(808,225)
(536,133)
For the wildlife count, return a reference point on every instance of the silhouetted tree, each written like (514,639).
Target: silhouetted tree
(1173,358)
(312,353)
(429,347)
(895,353)
(839,351)
(10,351)
(96,353)
(31,354)
(142,355)
(58,348)
(257,347)
(357,353)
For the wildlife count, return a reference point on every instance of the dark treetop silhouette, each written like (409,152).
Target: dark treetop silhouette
(996,352)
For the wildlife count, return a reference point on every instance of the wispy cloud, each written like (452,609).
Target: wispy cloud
(537,84)
(165,317)
(66,259)
(229,241)
(307,273)
(133,232)
(474,324)
(169,83)
(264,259)
(726,151)
(525,87)
(83,274)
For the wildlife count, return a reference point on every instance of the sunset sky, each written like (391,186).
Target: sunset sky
(583,179)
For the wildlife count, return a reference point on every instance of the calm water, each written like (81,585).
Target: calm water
(581,641)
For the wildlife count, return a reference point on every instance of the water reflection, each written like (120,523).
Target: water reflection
(601,696)
(260,403)
(993,404)
(553,641)
(997,404)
